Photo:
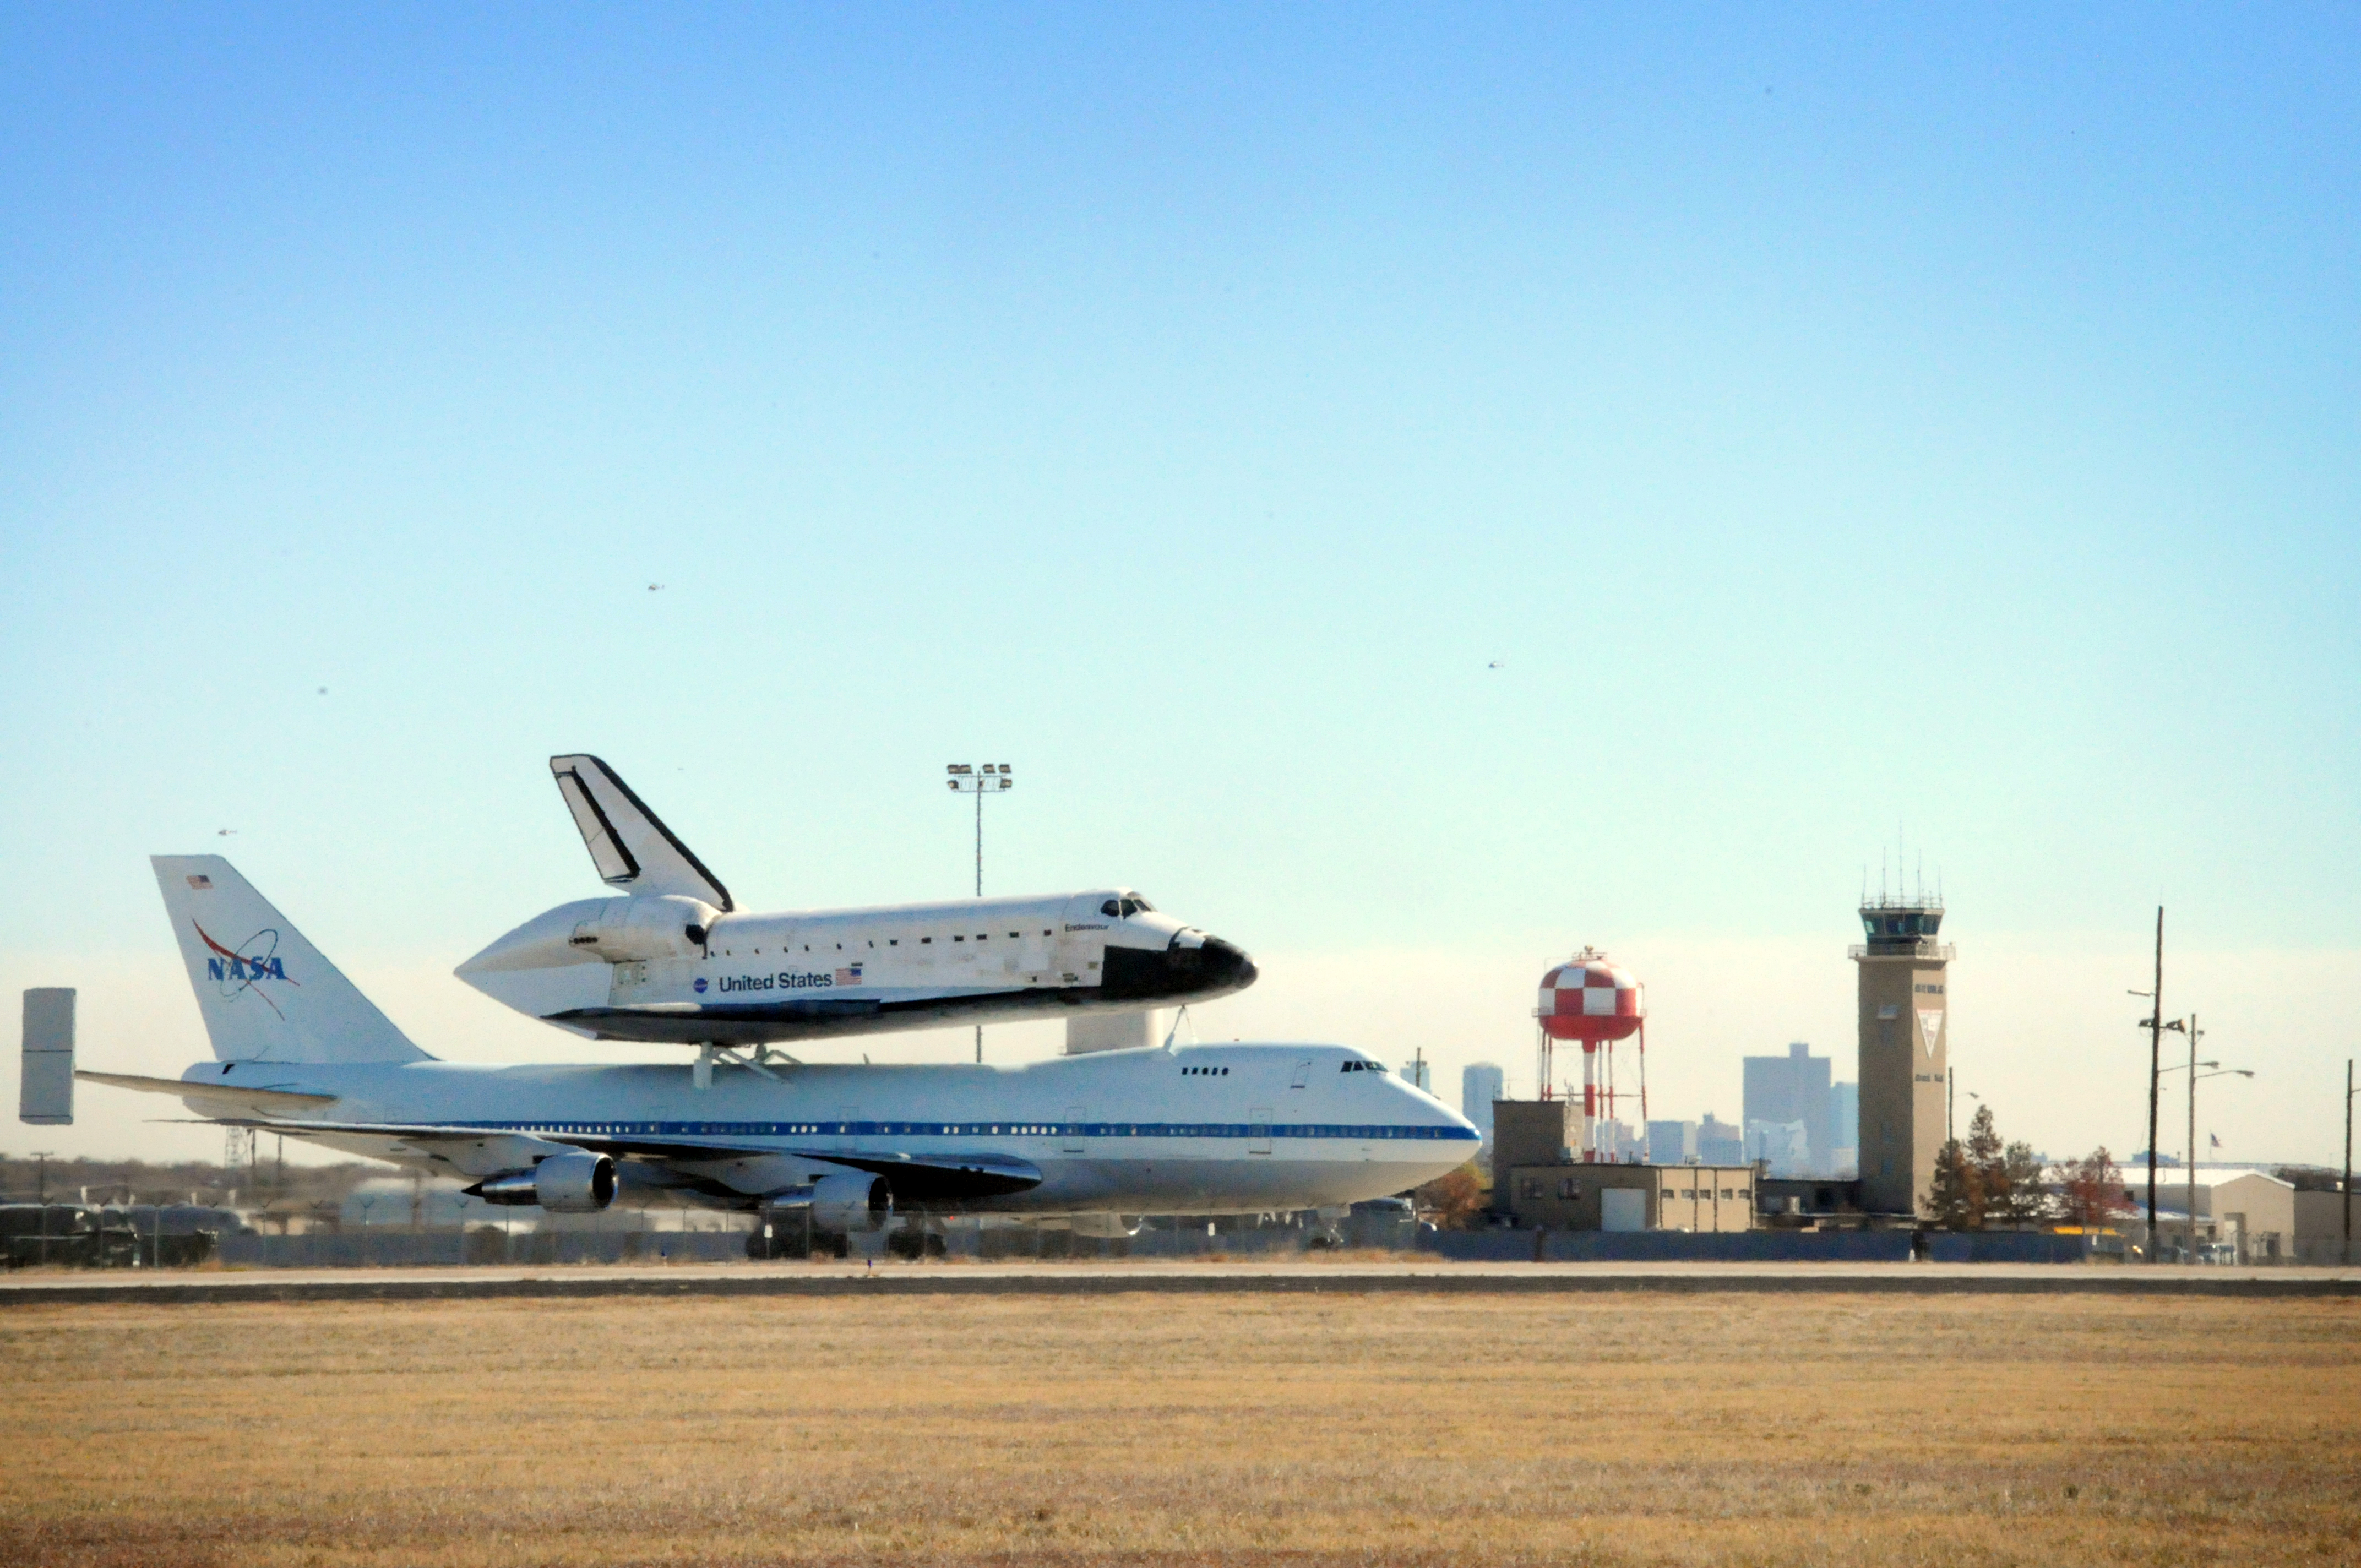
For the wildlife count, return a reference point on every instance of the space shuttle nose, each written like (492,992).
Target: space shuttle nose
(1227,965)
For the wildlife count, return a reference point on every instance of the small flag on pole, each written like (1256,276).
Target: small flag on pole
(2215,1141)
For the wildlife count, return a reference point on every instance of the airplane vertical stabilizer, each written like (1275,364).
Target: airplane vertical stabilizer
(266,994)
(633,850)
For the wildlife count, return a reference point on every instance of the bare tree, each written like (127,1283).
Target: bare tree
(2092,1191)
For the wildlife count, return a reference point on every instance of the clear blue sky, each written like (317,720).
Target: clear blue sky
(1837,422)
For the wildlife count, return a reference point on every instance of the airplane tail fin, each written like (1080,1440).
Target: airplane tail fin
(633,850)
(266,994)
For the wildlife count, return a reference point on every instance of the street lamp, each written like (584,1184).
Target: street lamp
(2188,1027)
(2194,1080)
(2348,1161)
(979,779)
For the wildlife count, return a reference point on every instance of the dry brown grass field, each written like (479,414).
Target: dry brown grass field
(1250,1428)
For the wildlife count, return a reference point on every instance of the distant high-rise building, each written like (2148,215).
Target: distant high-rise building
(1672,1142)
(1719,1143)
(1793,1088)
(1622,1144)
(1844,1129)
(1785,1146)
(1481,1083)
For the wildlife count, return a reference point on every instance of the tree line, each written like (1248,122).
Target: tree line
(1982,1183)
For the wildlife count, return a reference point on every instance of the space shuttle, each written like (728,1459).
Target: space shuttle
(671,958)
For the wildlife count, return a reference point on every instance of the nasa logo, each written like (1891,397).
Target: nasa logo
(240,969)
(700,986)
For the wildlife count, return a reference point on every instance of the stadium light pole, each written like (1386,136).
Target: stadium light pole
(979,779)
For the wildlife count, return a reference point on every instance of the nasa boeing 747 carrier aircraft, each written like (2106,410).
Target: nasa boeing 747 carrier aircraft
(1100,1138)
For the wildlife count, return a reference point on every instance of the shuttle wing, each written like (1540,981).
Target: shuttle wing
(630,845)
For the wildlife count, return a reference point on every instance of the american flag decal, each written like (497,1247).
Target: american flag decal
(201,883)
(848,976)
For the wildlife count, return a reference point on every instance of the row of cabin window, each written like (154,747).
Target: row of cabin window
(891,942)
(1205,1072)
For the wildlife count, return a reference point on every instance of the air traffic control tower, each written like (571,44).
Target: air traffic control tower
(1904,1050)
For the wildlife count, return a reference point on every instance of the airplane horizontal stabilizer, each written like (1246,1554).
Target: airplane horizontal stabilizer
(229,1096)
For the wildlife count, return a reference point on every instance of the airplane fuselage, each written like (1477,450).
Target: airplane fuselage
(672,969)
(1201,1129)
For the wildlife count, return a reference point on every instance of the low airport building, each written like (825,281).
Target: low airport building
(1538,1182)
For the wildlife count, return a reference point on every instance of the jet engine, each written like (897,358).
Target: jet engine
(578,1182)
(851,1203)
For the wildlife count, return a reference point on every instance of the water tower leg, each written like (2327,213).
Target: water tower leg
(1590,1096)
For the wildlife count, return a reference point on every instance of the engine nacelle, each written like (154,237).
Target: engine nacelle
(595,931)
(847,1203)
(578,1182)
(630,930)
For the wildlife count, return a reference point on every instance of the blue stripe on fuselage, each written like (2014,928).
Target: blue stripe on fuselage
(1364,1131)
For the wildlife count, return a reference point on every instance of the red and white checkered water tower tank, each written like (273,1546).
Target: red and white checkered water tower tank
(1592,999)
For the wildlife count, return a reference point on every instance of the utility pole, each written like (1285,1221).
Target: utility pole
(979,780)
(1951,1099)
(2155,1074)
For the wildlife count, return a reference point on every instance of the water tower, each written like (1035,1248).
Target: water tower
(1593,1000)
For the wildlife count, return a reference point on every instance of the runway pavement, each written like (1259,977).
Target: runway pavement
(935,1277)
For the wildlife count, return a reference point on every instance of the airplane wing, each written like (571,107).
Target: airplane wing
(916,1179)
